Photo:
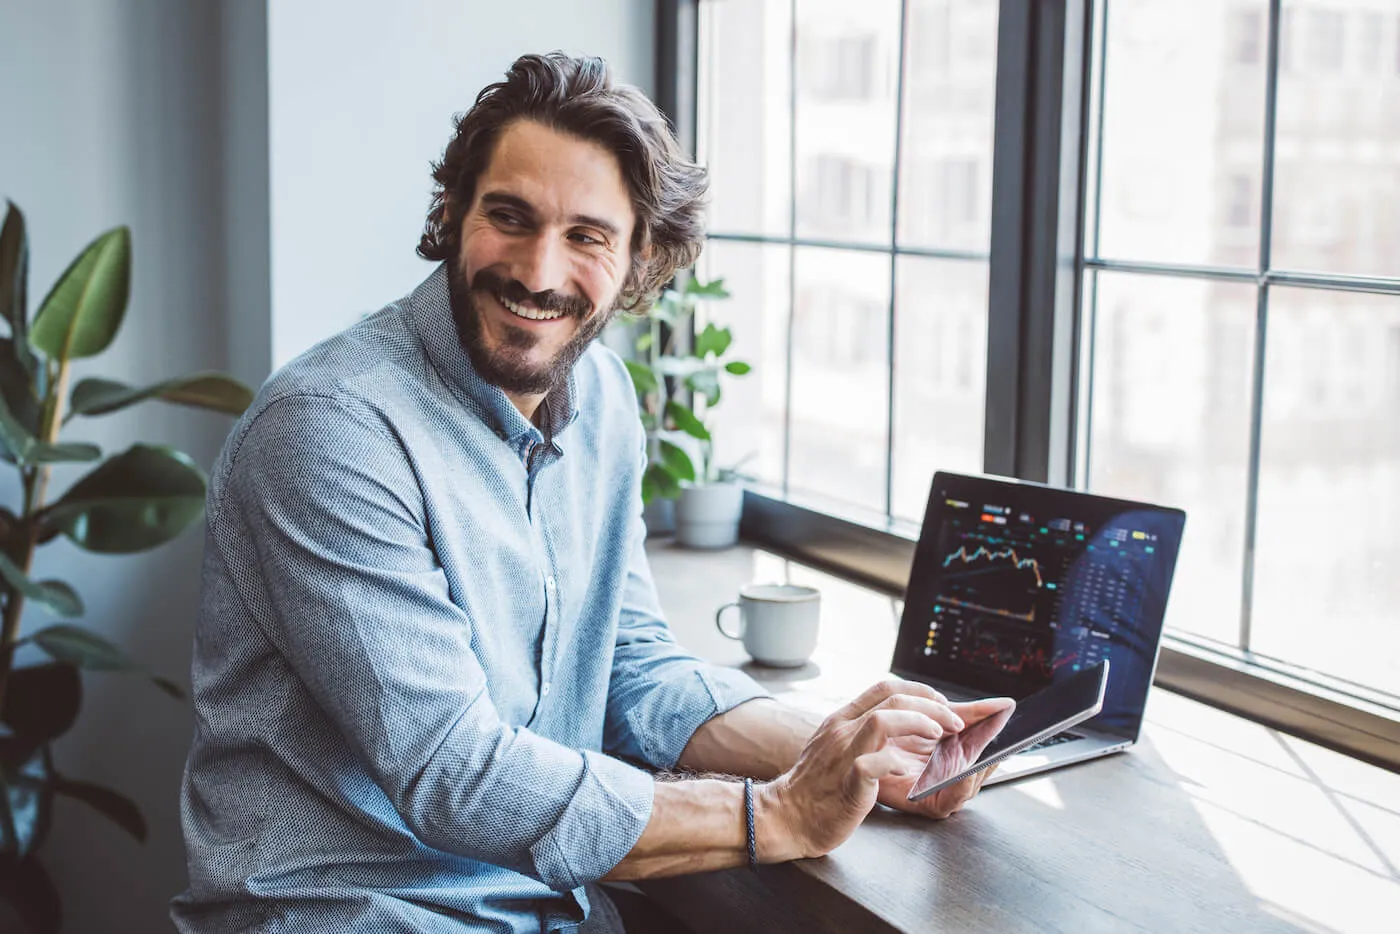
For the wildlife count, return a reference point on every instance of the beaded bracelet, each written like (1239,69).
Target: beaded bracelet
(748,818)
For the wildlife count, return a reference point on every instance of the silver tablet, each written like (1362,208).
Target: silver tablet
(1040,716)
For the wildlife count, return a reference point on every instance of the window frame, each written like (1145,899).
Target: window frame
(1043,193)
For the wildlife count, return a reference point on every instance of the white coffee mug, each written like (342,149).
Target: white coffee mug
(777,622)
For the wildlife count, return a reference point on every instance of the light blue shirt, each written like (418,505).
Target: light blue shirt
(427,634)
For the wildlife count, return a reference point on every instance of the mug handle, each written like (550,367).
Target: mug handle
(719,622)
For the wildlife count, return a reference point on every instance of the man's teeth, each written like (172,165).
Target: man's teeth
(534,314)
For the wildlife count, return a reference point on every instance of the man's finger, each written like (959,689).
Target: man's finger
(972,711)
(937,710)
(879,726)
(881,691)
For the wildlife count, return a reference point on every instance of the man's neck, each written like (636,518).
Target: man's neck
(530,404)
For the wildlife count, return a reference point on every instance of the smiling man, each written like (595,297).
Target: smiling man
(431,677)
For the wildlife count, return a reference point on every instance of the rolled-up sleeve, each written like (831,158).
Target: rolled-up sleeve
(323,527)
(660,694)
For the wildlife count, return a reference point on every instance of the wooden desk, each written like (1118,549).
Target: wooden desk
(1211,823)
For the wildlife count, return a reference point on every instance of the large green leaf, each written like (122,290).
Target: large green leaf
(204,390)
(686,421)
(42,701)
(54,594)
(676,461)
(712,340)
(84,310)
(86,649)
(643,379)
(737,367)
(134,501)
(113,805)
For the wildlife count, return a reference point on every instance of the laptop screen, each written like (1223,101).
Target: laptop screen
(1015,585)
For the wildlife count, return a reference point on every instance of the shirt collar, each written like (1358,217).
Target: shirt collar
(430,309)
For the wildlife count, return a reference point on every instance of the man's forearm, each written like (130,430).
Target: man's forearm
(761,738)
(698,825)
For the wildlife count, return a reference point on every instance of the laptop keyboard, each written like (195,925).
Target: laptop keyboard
(1053,741)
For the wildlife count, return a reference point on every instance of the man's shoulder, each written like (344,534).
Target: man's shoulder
(601,379)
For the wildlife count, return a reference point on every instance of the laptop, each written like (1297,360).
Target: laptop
(1016,585)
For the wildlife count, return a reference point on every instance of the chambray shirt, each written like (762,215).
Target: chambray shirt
(427,633)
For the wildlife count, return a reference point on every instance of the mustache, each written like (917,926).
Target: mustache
(513,291)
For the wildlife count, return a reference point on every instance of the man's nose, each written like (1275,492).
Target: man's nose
(540,264)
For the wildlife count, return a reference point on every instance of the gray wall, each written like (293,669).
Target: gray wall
(272,162)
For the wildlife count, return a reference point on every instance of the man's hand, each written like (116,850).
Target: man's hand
(867,749)
(894,789)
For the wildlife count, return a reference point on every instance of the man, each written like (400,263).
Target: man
(428,636)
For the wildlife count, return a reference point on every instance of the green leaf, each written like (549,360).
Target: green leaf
(213,391)
(17,390)
(42,701)
(706,383)
(86,649)
(117,807)
(658,484)
(20,446)
(670,308)
(84,310)
(644,342)
(14,276)
(712,289)
(643,379)
(686,421)
(54,594)
(712,340)
(737,367)
(676,461)
(134,501)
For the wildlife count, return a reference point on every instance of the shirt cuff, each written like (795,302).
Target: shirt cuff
(665,730)
(604,820)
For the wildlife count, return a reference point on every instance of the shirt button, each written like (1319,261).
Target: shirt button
(545,690)
(549,582)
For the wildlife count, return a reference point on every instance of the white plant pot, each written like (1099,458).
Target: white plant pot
(707,515)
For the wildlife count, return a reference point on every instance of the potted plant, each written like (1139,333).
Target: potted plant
(127,503)
(709,499)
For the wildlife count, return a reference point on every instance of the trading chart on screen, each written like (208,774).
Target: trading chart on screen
(1029,596)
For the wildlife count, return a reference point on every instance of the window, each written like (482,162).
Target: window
(1274,454)
(887,176)
(1237,314)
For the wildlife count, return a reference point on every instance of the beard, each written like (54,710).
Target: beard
(508,365)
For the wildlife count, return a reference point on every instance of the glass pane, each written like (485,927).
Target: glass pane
(744,114)
(940,375)
(1326,586)
(950,101)
(1169,424)
(840,375)
(1183,131)
(1337,162)
(847,71)
(748,423)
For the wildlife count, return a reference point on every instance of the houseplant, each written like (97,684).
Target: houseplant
(709,498)
(127,503)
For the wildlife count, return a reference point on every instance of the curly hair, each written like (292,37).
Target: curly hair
(578,96)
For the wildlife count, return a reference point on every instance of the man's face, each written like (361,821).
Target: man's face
(545,251)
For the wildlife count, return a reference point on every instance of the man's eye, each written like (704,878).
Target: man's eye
(505,219)
(586,239)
